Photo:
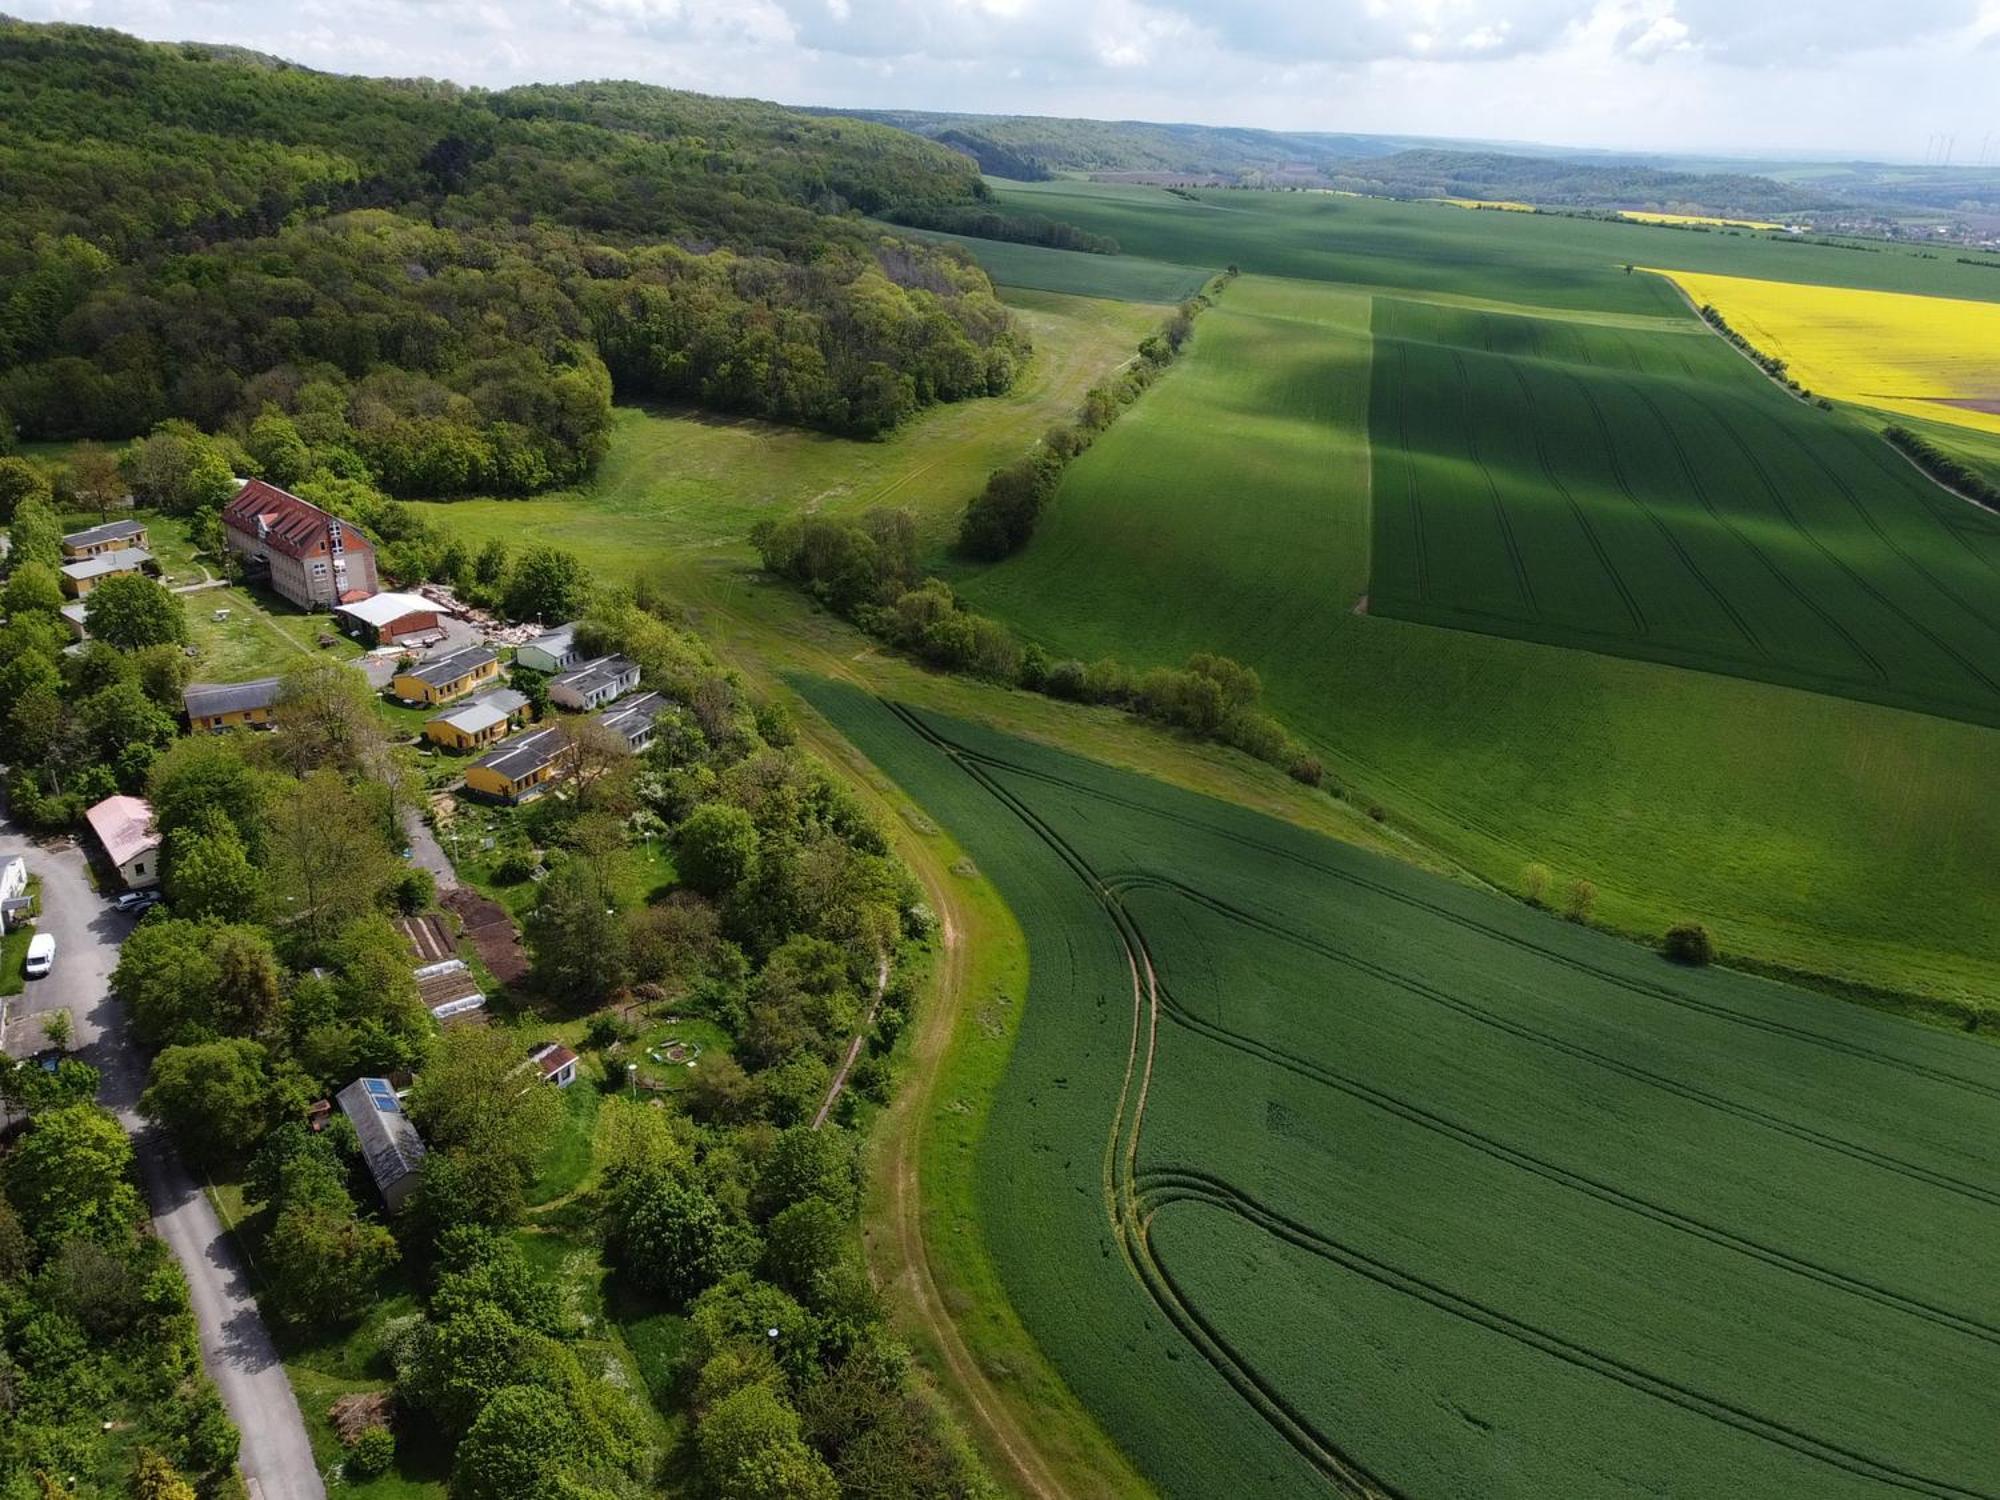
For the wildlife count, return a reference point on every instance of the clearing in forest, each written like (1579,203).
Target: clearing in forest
(1312,1171)
(1935,357)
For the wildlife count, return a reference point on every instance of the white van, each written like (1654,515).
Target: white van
(41,955)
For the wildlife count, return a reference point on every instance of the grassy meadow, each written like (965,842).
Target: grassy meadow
(1405,1184)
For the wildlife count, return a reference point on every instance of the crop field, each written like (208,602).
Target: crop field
(1231,510)
(1506,204)
(1546,260)
(1405,1187)
(1640,216)
(1934,357)
(1653,495)
(1075,273)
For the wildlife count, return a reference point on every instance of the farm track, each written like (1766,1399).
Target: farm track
(1623,981)
(1135,1196)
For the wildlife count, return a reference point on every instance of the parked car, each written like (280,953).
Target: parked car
(136,901)
(41,955)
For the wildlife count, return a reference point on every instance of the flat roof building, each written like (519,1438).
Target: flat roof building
(79,578)
(112,536)
(520,769)
(593,684)
(552,651)
(389,619)
(438,679)
(484,721)
(636,720)
(212,707)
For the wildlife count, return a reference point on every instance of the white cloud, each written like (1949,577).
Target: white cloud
(1748,75)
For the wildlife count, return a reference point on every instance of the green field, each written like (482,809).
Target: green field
(1652,494)
(1546,260)
(1076,273)
(1389,1177)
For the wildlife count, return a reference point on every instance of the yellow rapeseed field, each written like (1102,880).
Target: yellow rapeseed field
(1645,218)
(1935,357)
(1505,203)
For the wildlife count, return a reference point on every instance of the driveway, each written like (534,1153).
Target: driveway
(277,1458)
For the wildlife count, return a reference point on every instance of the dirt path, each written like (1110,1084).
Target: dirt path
(854,1047)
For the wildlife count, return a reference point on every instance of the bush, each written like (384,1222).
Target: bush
(1689,943)
(1534,883)
(1308,769)
(1582,898)
(370,1455)
(515,866)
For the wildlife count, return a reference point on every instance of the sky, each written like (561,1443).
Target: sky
(1855,77)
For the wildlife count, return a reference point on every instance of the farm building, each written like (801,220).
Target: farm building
(390,619)
(521,769)
(124,830)
(79,578)
(637,719)
(305,554)
(487,719)
(112,536)
(594,683)
(390,1143)
(439,679)
(216,706)
(556,1062)
(552,651)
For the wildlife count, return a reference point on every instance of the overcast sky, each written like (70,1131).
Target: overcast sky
(1870,77)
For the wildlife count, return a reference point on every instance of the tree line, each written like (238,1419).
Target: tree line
(1951,472)
(1001,519)
(867,569)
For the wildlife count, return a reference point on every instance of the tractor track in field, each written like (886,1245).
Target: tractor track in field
(1636,985)
(1722,1103)
(1121,1153)
(1666,531)
(1537,1166)
(1577,510)
(1135,1196)
(1716,513)
(1500,516)
(1187,1185)
(1785,508)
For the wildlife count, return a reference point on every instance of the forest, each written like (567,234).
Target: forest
(450,284)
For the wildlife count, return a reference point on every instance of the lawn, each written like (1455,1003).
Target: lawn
(261,635)
(680,482)
(1395,1179)
(1231,510)
(13,954)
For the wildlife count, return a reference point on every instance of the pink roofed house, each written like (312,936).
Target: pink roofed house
(124,827)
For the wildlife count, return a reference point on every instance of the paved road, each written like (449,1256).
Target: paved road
(277,1459)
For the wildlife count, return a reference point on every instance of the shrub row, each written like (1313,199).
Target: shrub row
(866,570)
(1946,470)
(1002,517)
(1770,364)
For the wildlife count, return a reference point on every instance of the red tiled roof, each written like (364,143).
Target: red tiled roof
(553,1057)
(292,526)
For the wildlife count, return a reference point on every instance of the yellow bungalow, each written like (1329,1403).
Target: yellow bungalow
(442,678)
(521,769)
(112,536)
(484,721)
(212,707)
(80,577)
